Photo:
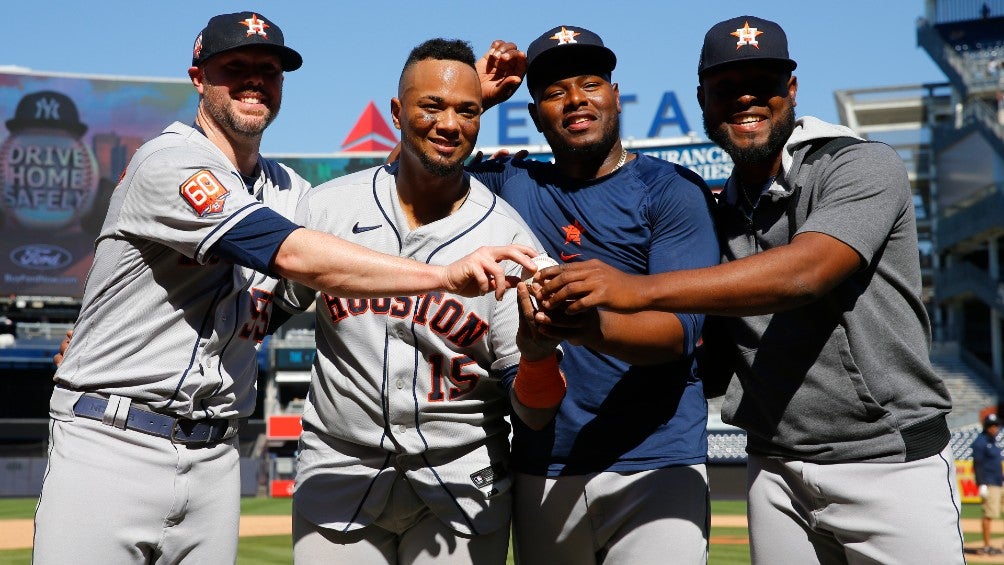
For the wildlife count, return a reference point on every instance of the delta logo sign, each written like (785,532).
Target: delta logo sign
(372,133)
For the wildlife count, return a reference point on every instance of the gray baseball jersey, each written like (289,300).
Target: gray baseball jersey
(194,322)
(412,384)
(166,325)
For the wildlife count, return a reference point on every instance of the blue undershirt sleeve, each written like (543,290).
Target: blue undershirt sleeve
(255,240)
(507,377)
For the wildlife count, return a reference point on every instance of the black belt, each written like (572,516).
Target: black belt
(178,430)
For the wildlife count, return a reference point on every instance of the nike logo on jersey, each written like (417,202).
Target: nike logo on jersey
(360,229)
(568,256)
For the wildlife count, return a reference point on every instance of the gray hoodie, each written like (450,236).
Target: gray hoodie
(847,378)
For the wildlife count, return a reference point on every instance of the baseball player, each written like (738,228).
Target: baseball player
(989,476)
(620,476)
(404,453)
(826,341)
(143,465)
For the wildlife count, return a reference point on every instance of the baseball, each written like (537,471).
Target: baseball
(542,261)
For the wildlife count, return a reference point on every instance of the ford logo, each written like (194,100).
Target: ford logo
(41,257)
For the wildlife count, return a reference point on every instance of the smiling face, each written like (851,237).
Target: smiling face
(438,111)
(241,89)
(749,110)
(578,114)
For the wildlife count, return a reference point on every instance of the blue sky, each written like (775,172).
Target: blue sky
(353,51)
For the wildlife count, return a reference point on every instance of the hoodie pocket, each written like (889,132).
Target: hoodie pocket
(804,394)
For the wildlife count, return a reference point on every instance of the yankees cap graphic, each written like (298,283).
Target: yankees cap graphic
(744,39)
(569,50)
(47,109)
(242,29)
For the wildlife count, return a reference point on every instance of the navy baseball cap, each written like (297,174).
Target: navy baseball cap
(567,48)
(744,39)
(242,29)
(991,420)
(47,109)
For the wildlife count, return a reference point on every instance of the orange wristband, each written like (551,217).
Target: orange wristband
(539,384)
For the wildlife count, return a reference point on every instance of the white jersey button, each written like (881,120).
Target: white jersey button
(400,384)
(399,429)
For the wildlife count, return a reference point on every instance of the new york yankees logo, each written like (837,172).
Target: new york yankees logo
(47,109)
(256,25)
(747,36)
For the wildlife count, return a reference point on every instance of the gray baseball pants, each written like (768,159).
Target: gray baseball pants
(114,496)
(881,513)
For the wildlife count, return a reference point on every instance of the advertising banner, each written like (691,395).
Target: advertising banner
(64,142)
(317,169)
(705,158)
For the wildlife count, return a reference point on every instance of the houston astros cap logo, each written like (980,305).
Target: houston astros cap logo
(567,50)
(747,36)
(242,29)
(565,36)
(724,42)
(255,25)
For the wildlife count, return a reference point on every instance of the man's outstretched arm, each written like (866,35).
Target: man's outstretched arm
(775,280)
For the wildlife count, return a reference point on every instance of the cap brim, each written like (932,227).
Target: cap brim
(290,59)
(15,125)
(787,65)
(577,57)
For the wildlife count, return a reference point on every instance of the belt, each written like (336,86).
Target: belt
(178,430)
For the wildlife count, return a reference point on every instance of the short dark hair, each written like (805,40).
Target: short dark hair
(443,50)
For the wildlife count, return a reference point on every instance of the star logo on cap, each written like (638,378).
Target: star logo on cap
(256,25)
(565,36)
(747,36)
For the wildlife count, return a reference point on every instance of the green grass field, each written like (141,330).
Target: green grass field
(278,550)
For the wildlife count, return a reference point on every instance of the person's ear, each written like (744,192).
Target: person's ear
(532,109)
(395,112)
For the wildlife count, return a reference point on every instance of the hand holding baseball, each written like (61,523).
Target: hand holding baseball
(542,262)
(481,271)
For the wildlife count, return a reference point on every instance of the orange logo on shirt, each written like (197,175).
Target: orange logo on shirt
(204,193)
(573,232)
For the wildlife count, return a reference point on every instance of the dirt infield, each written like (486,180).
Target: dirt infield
(17,534)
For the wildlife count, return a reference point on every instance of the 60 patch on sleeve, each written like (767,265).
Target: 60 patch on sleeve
(204,193)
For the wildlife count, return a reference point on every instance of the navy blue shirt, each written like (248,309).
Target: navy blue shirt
(650,216)
(987,461)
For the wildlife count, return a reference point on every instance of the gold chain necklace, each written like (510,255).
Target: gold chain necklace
(620,162)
